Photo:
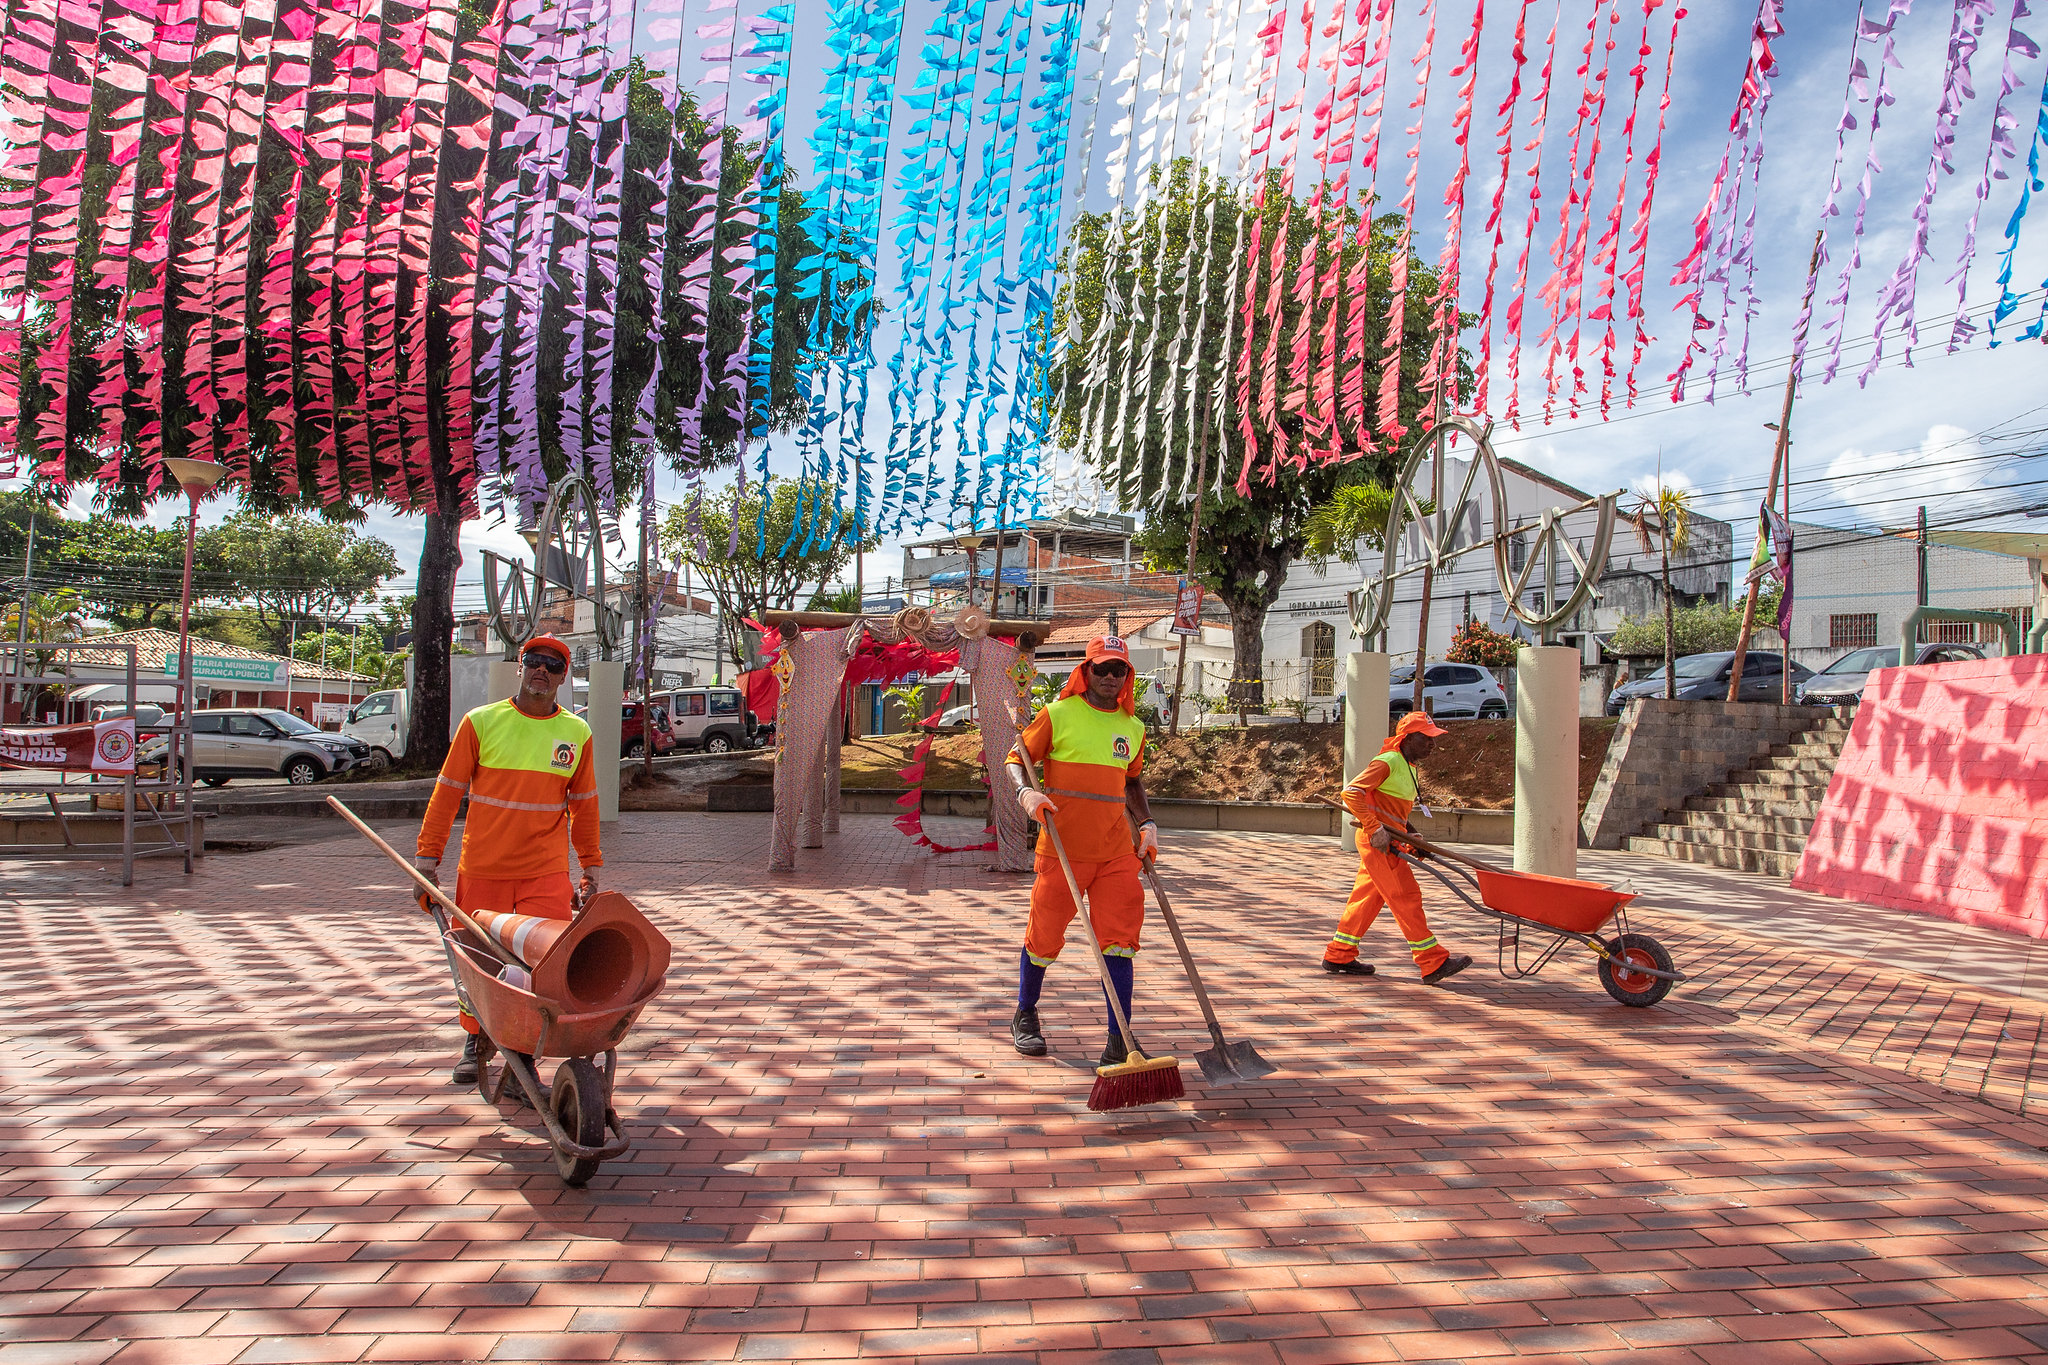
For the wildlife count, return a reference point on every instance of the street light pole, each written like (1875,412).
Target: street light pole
(195,477)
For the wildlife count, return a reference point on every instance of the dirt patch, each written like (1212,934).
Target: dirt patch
(1473,766)
(682,787)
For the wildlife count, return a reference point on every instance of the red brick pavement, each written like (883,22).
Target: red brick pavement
(228,1137)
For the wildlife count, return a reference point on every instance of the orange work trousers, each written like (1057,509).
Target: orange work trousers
(1116,906)
(1384,880)
(549,897)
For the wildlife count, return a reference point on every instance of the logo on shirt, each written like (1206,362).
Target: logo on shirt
(565,756)
(1122,748)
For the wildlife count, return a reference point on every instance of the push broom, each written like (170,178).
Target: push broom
(1138,1079)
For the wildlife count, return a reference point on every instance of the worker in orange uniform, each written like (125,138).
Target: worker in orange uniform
(1380,799)
(1089,746)
(525,765)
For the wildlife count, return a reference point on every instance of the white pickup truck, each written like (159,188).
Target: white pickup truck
(381,720)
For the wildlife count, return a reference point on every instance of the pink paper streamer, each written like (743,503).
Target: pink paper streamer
(1573,292)
(1639,231)
(1391,429)
(230,283)
(128,38)
(1482,370)
(170,80)
(475,71)
(1441,374)
(1513,415)
(276,298)
(1355,383)
(1607,252)
(25,52)
(1273,34)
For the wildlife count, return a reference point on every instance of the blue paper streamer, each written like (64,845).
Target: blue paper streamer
(2030,185)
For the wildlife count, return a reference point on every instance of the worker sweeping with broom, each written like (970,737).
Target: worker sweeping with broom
(1092,745)
(1379,800)
(525,764)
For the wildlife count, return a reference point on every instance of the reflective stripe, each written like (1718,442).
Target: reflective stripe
(447,782)
(583,796)
(1085,796)
(1348,940)
(1421,945)
(1038,961)
(556,808)
(1119,952)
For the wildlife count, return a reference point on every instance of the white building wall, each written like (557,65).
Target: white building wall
(1847,573)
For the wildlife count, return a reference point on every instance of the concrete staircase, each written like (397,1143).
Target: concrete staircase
(1757,820)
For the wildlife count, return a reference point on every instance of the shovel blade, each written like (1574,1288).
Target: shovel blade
(1233,1064)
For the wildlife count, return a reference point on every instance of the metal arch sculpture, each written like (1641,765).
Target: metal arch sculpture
(1373,600)
(571,528)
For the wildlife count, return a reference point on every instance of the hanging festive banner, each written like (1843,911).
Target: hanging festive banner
(2001,149)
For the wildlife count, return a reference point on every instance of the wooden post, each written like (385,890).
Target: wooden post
(1180,673)
(1779,459)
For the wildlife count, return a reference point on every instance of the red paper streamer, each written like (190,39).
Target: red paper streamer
(129,38)
(228,305)
(1513,415)
(1397,304)
(1556,290)
(1639,231)
(415,244)
(1274,35)
(189,269)
(1442,371)
(1315,422)
(1579,207)
(25,52)
(1607,254)
(397,109)
(68,112)
(475,72)
(1345,120)
(293,44)
(170,81)
(1354,384)
(1482,371)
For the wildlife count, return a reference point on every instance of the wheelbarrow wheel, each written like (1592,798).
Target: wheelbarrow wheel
(579,1104)
(1639,989)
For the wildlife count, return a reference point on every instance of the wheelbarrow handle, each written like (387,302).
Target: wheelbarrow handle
(1416,840)
(446,901)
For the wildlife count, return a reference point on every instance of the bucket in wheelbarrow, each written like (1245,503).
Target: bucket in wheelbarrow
(1561,902)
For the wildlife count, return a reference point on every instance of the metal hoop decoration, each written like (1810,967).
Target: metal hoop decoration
(1373,601)
(1549,537)
(515,610)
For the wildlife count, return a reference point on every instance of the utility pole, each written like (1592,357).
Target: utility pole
(1780,458)
(1180,672)
(1436,496)
(1921,523)
(21,614)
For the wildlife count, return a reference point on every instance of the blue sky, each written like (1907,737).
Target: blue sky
(1861,454)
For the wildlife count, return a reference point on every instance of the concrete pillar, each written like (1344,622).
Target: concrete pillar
(1367,676)
(607,694)
(1547,760)
(502,683)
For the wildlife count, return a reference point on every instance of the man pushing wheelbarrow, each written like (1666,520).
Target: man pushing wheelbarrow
(1379,800)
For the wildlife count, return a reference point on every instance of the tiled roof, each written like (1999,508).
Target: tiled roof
(153,645)
(1079,630)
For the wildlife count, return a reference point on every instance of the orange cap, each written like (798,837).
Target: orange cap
(1100,648)
(1414,723)
(1108,647)
(547,644)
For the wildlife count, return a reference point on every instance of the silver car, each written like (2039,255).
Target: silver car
(262,742)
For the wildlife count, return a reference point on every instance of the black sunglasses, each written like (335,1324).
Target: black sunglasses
(548,661)
(1111,669)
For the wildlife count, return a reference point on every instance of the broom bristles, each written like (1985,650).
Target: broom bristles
(1142,1080)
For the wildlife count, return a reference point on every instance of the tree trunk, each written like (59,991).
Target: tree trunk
(1248,650)
(1670,627)
(433,629)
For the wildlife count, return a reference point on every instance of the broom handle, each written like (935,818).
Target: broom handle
(1081,912)
(1187,959)
(1416,840)
(395,856)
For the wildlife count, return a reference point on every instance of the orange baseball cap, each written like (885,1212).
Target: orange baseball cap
(1417,723)
(1108,647)
(547,644)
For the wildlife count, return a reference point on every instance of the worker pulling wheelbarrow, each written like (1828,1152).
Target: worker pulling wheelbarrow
(1634,968)
(550,988)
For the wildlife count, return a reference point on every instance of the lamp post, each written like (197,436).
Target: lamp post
(195,477)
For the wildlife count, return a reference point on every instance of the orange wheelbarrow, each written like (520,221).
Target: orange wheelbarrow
(1634,968)
(551,988)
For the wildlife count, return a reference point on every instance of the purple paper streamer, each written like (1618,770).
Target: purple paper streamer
(1887,62)
(654,264)
(1856,88)
(703,226)
(2001,148)
(1896,298)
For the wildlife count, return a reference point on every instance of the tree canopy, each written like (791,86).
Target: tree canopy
(1151,302)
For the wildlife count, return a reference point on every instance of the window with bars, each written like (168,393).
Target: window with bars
(1319,647)
(1857,630)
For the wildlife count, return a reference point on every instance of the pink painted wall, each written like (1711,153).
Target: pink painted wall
(1940,802)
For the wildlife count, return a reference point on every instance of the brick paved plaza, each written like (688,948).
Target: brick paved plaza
(229,1134)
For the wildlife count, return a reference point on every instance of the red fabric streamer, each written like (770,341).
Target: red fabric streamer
(1354,382)
(1639,231)
(66,116)
(1344,120)
(1482,371)
(911,822)
(1513,415)
(1397,305)
(1442,371)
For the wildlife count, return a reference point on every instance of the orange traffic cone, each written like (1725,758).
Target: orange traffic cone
(609,956)
(526,937)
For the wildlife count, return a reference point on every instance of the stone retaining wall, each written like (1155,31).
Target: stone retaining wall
(1664,752)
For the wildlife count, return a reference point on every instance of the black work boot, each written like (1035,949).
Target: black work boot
(465,1069)
(518,1091)
(1351,968)
(1114,1053)
(1450,968)
(1024,1031)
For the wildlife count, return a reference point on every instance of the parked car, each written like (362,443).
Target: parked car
(1449,691)
(147,714)
(959,715)
(1841,682)
(632,737)
(1704,677)
(714,719)
(249,741)
(382,721)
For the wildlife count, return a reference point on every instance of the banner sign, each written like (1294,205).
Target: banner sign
(106,747)
(215,668)
(1187,609)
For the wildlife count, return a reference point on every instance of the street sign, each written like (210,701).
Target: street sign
(217,668)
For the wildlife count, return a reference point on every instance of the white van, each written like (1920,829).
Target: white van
(382,721)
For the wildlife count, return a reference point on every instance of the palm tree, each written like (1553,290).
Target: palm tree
(56,618)
(1669,516)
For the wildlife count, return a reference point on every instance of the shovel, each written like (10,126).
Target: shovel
(1226,1063)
